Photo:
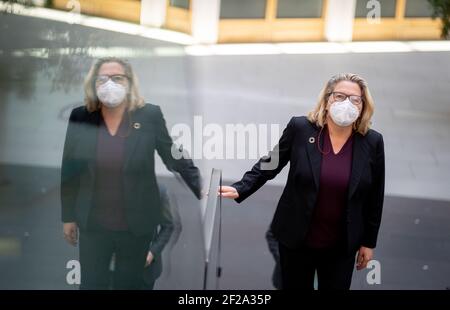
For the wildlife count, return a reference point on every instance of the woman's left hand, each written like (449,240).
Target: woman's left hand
(364,256)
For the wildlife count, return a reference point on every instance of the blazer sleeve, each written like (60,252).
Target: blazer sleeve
(181,164)
(259,175)
(373,210)
(70,176)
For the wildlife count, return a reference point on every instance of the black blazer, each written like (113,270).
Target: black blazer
(296,205)
(148,133)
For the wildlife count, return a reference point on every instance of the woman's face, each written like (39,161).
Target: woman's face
(114,71)
(347,88)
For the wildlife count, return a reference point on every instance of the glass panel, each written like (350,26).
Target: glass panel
(418,8)
(184,4)
(387,8)
(242,9)
(299,8)
(211,226)
(44,63)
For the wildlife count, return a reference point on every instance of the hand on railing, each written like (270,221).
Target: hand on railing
(228,192)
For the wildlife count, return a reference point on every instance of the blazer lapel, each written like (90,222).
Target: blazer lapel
(133,138)
(91,139)
(359,156)
(314,155)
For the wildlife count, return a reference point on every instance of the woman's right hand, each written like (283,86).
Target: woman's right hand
(71,233)
(228,192)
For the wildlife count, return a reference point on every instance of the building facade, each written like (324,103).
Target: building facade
(232,21)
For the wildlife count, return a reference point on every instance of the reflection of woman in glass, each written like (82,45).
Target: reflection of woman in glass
(108,185)
(331,205)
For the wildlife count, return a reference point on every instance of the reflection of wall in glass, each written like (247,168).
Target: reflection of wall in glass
(387,8)
(239,9)
(299,9)
(418,8)
(184,4)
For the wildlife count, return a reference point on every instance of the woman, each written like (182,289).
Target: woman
(332,203)
(108,185)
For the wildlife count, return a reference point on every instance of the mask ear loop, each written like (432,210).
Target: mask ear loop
(321,129)
(128,112)
(320,134)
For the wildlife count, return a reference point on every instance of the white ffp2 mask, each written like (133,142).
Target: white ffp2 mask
(111,94)
(343,113)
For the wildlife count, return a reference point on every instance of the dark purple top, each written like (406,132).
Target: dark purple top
(328,223)
(108,211)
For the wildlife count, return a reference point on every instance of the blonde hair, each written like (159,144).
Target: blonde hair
(133,101)
(362,124)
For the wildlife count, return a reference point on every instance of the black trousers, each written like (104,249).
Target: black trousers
(96,249)
(334,268)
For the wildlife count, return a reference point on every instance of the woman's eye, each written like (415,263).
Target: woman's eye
(356,100)
(117,79)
